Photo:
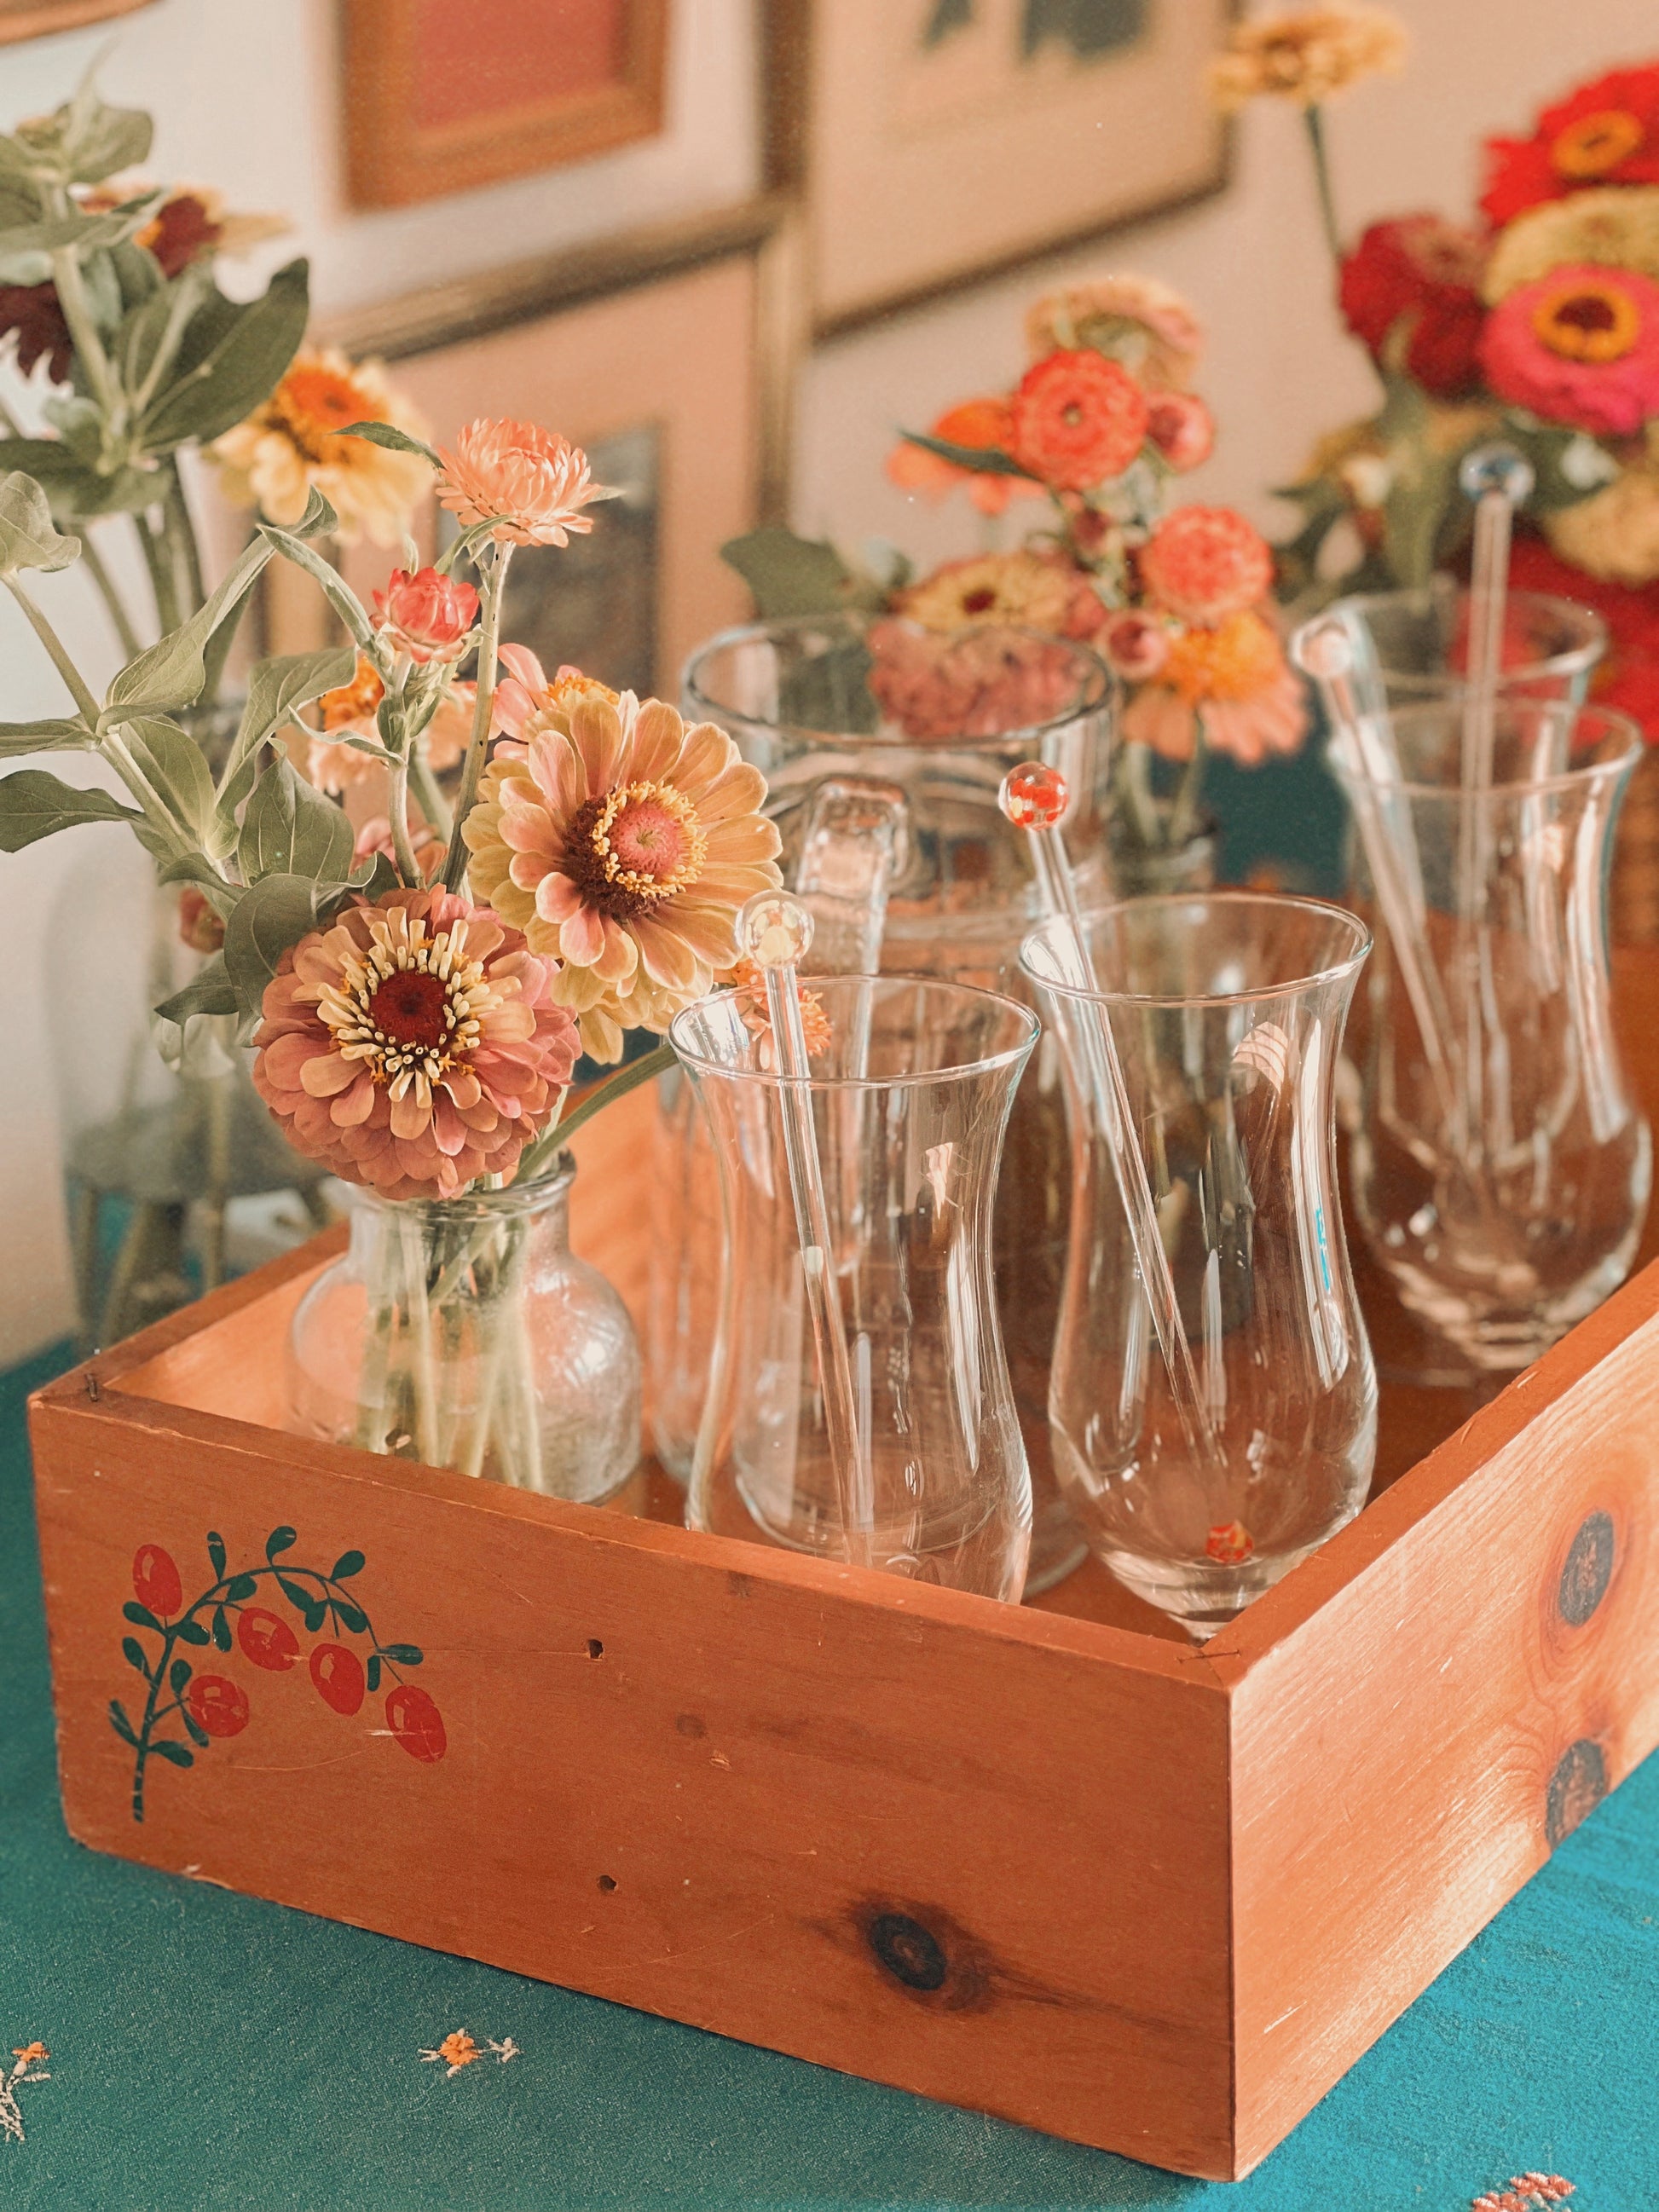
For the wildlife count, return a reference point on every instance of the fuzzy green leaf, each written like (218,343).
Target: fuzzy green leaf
(395,440)
(292,829)
(172,763)
(790,575)
(230,358)
(19,738)
(982,460)
(28,537)
(340,597)
(271,915)
(33,804)
(207,992)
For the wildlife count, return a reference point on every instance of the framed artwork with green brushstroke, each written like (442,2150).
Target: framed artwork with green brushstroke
(939,142)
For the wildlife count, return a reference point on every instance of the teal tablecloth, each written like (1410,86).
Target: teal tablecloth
(210,2051)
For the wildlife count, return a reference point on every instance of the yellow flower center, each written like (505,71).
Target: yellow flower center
(633,847)
(313,402)
(411,1006)
(1595,144)
(1585,320)
(1238,660)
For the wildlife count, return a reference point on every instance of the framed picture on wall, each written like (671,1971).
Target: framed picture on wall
(440,98)
(34,19)
(938,142)
(664,357)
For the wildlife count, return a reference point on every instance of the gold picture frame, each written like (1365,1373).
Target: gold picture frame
(40,19)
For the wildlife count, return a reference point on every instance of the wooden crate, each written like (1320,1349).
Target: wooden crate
(1052,1861)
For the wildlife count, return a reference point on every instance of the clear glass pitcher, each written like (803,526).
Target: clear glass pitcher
(1501,1168)
(910,1097)
(883,747)
(1226,1011)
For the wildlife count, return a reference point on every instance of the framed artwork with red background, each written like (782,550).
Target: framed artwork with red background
(440,98)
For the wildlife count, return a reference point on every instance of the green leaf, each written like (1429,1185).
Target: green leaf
(191,1631)
(274,914)
(19,203)
(180,1673)
(198,1734)
(73,488)
(174,1753)
(28,537)
(281,1540)
(172,673)
(374,1673)
(141,1617)
(275,688)
(790,575)
(160,317)
(347,1564)
(396,441)
(242,1586)
(196,868)
(230,358)
(33,804)
(354,1622)
(17,738)
(983,460)
(80,232)
(215,1544)
(95,140)
(172,763)
(404,1654)
(292,829)
(121,1724)
(221,1629)
(341,597)
(207,992)
(133,1652)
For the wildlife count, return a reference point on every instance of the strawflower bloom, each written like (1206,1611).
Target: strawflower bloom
(1135,644)
(427,614)
(1027,590)
(623,842)
(1144,325)
(1078,420)
(1607,132)
(1182,428)
(1427,272)
(537,483)
(986,426)
(1233,681)
(1306,54)
(1580,346)
(1206,562)
(413,1045)
(291,442)
(1616,225)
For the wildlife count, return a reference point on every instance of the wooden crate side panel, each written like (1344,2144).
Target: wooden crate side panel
(1409,1756)
(975,1860)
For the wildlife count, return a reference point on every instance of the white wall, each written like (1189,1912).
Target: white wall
(244,97)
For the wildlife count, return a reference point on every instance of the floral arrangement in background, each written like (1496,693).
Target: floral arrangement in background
(1536,319)
(1177,598)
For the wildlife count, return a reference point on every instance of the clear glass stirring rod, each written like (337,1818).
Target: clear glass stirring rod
(775,931)
(1034,798)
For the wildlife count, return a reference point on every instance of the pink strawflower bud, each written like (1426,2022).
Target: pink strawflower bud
(427,616)
(1137,644)
(1206,563)
(1182,428)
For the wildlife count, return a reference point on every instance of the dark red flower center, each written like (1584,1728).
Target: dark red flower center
(1587,311)
(979,602)
(408,1008)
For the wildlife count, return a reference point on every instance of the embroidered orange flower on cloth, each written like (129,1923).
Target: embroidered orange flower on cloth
(1527,2192)
(459,2049)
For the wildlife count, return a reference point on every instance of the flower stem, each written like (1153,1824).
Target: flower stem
(1313,120)
(1183,807)
(161,581)
(403,847)
(180,533)
(430,800)
(85,703)
(494,581)
(655,1062)
(91,561)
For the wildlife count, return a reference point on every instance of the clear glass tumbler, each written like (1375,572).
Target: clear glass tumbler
(910,1099)
(1416,643)
(1226,1010)
(1501,1168)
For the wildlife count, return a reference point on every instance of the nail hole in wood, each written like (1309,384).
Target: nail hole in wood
(1577,1788)
(607,1883)
(595,1649)
(909,1952)
(1588,1570)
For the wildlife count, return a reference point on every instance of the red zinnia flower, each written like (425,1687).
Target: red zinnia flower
(1427,270)
(1076,420)
(1604,133)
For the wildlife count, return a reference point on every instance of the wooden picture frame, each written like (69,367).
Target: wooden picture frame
(419,126)
(682,337)
(40,19)
(938,143)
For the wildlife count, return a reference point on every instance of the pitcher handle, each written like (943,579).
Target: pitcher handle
(851,850)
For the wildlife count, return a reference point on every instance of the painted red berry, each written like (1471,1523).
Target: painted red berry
(267,1640)
(156,1581)
(338,1673)
(218,1705)
(416,1723)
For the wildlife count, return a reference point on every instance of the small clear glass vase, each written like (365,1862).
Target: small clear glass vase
(909,1103)
(465,1333)
(1501,1168)
(1227,1011)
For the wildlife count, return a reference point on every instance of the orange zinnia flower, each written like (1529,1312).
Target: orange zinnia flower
(984,426)
(291,441)
(1077,420)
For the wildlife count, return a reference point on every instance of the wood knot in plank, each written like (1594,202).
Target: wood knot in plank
(1577,1788)
(1588,1570)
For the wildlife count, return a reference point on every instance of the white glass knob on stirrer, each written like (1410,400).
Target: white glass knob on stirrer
(1034,796)
(775,931)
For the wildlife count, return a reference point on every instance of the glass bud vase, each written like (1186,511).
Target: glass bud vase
(465,1333)
(1227,1011)
(909,1100)
(1501,1167)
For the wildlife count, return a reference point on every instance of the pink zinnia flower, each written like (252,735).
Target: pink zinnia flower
(1206,563)
(1581,345)
(623,842)
(427,614)
(1233,682)
(413,1045)
(535,481)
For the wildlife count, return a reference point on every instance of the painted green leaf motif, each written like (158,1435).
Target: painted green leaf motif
(177,1674)
(221,1629)
(141,1616)
(191,1631)
(133,1652)
(296,1594)
(174,1753)
(279,1540)
(404,1655)
(121,1724)
(215,1544)
(347,1564)
(198,1733)
(374,1674)
(242,1586)
(350,1620)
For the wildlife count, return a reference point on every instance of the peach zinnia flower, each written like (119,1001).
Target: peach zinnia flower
(536,482)
(1031,590)
(1204,563)
(1136,320)
(1078,419)
(982,425)
(624,842)
(291,441)
(1235,681)
(413,1045)
(1306,55)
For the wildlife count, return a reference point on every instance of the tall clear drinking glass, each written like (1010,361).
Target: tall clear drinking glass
(1415,643)
(910,1097)
(1225,1010)
(1501,1170)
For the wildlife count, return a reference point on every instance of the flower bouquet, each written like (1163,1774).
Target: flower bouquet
(1174,596)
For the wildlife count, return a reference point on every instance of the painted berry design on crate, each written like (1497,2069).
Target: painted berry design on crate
(204,1705)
